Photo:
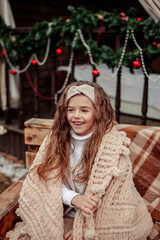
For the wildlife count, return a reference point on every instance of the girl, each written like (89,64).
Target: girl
(83,164)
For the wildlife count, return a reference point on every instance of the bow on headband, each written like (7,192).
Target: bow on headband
(85,89)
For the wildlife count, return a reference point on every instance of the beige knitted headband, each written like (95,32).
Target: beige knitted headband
(85,89)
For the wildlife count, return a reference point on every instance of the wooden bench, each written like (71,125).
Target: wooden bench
(145,152)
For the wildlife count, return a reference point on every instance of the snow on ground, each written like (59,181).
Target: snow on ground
(11,169)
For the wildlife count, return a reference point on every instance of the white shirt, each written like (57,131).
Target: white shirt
(76,150)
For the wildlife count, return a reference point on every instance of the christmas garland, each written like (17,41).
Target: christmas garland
(63,31)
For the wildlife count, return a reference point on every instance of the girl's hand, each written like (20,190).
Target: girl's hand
(87,203)
(69,235)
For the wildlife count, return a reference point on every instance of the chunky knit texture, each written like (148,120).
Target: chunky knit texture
(121,213)
(40,206)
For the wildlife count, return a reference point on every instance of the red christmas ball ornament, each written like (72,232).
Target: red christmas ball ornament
(3,52)
(95,73)
(59,51)
(136,64)
(124,18)
(13,71)
(154,43)
(34,62)
(139,19)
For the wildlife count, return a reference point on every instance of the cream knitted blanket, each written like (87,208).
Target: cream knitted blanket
(120,215)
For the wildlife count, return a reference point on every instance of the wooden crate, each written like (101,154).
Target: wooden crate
(36,129)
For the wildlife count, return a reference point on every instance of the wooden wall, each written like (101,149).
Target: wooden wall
(28,12)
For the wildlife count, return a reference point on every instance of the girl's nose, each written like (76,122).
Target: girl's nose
(77,114)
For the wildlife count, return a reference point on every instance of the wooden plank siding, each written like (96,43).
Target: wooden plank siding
(13,142)
(28,12)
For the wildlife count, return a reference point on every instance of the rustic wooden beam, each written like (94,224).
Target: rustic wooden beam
(8,118)
(145,101)
(94,78)
(36,99)
(53,89)
(118,96)
(117,41)
(71,79)
(21,103)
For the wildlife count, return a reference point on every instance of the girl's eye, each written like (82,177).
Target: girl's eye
(70,110)
(84,110)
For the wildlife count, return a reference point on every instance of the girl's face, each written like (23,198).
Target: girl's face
(80,114)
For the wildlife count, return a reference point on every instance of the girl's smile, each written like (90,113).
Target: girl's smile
(80,114)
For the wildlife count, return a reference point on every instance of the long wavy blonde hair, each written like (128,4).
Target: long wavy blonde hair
(58,149)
